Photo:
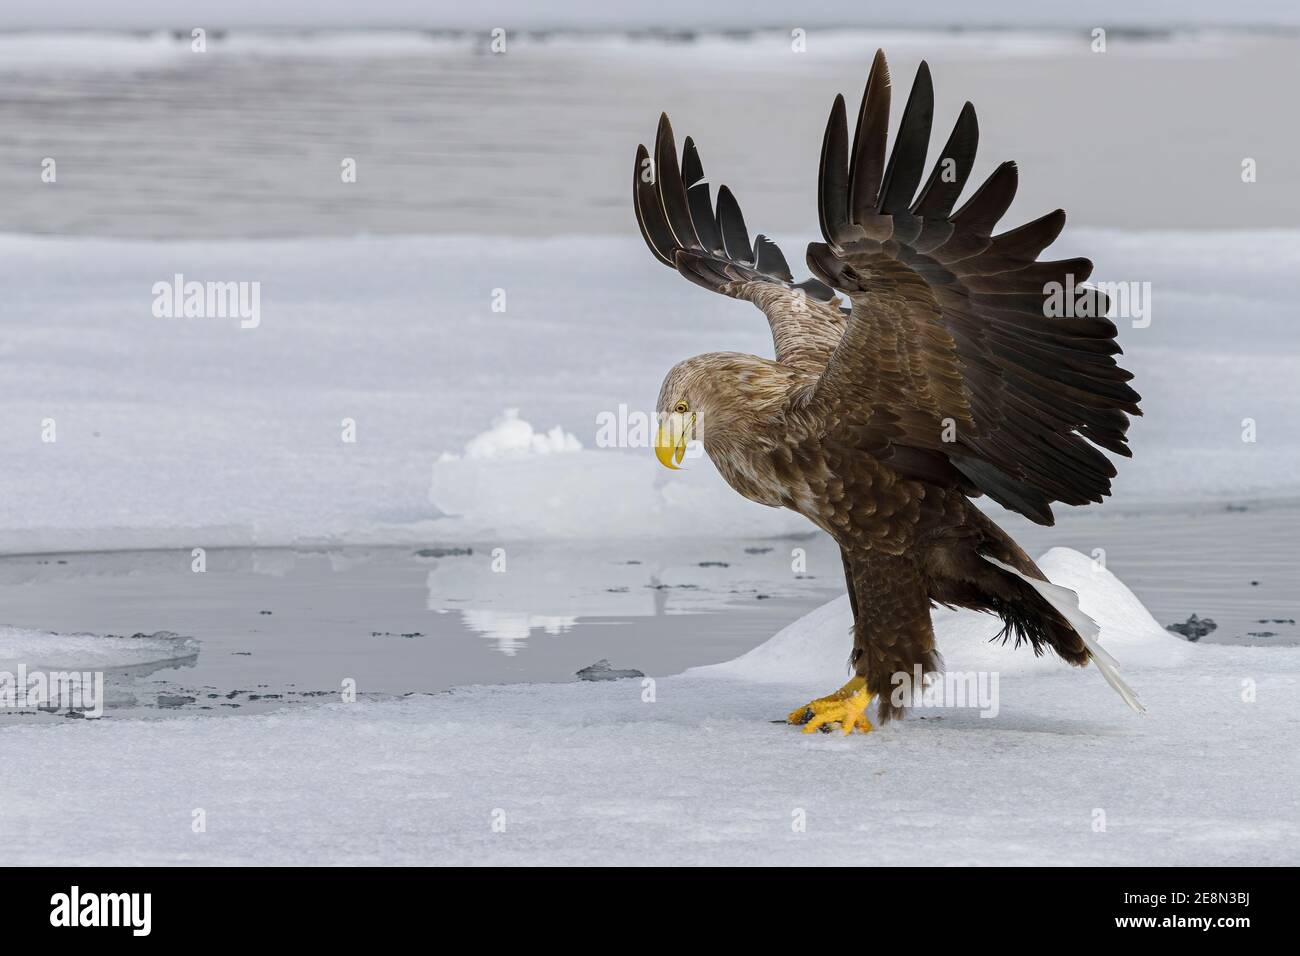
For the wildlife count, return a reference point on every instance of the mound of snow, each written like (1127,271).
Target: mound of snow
(515,483)
(47,650)
(512,437)
(817,645)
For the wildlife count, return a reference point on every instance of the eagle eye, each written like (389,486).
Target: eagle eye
(681,408)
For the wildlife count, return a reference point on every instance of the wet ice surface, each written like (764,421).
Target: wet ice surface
(283,626)
(276,627)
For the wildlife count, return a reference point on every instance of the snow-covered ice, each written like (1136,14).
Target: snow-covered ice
(590,773)
(48,650)
(186,432)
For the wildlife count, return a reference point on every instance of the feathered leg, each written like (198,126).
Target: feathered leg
(893,643)
(847,706)
(894,639)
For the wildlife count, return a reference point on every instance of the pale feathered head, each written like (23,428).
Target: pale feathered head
(720,399)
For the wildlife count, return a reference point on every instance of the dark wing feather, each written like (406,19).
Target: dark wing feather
(697,199)
(907,162)
(734,234)
(869,139)
(833,184)
(952,169)
(950,348)
(672,189)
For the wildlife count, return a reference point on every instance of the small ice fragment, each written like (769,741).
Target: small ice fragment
(601,670)
(1194,628)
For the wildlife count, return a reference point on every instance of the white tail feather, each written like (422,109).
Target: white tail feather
(1067,603)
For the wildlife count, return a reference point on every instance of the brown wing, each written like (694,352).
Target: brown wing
(711,247)
(949,351)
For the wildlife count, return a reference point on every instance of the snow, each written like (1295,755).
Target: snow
(512,437)
(594,773)
(186,432)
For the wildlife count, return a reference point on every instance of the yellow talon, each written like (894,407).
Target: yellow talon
(847,707)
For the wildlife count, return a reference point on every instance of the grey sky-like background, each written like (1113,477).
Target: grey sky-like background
(589,14)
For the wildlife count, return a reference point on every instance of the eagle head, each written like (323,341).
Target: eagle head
(718,399)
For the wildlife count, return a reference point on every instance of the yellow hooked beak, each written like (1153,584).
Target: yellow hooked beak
(671,440)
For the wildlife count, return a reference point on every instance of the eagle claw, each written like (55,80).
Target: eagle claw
(847,707)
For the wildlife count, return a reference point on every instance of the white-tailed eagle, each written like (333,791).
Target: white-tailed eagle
(918,370)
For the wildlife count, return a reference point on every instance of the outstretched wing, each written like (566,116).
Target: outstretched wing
(711,247)
(950,349)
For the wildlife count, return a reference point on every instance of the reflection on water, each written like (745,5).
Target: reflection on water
(510,629)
